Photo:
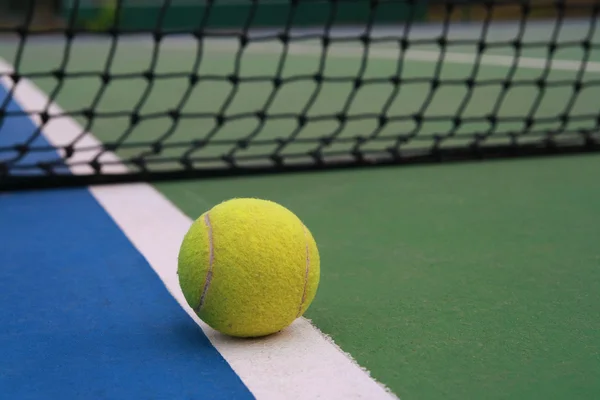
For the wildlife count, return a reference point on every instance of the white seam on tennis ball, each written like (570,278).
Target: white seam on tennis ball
(307,269)
(211,260)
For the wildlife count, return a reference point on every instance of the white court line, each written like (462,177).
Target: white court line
(300,363)
(347,51)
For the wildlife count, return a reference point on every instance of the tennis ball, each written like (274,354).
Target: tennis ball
(248,267)
(104,16)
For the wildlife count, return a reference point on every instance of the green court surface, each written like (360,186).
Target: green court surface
(463,281)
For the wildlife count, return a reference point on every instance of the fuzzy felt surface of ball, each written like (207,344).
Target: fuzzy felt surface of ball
(248,267)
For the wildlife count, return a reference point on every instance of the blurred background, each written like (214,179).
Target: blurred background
(183,14)
(46,14)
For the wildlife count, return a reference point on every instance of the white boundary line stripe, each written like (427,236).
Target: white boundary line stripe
(347,51)
(63,130)
(299,363)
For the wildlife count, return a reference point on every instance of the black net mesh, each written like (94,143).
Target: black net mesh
(103,91)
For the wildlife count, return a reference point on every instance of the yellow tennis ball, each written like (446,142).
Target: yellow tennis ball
(248,267)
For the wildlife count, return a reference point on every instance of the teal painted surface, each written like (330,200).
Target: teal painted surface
(185,15)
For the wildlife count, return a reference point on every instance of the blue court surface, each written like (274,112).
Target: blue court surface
(84,316)
(92,308)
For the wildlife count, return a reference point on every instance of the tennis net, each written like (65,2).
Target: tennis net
(110,91)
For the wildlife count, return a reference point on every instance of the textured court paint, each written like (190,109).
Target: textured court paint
(452,299)
(83,315)
(468,281)
(300,363)
(95,321)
